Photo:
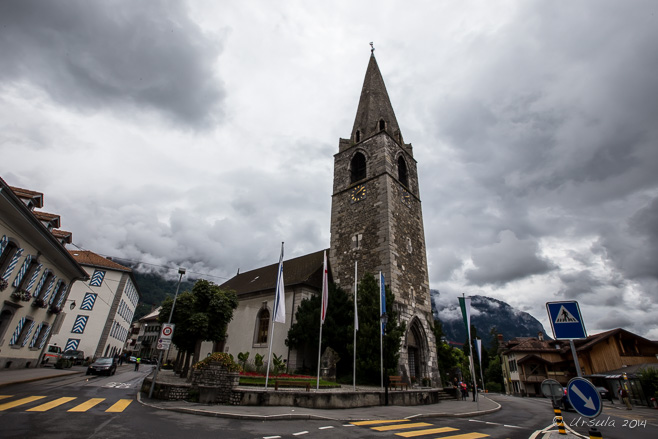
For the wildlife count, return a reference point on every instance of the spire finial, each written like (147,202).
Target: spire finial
(372,48)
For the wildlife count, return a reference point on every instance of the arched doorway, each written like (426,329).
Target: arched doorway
(417,357)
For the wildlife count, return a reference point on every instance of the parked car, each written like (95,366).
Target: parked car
(132,359)
(603,393)
(103,365)
(75,356)
(52,354)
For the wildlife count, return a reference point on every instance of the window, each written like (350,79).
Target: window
(22,332)
(402,171)
(27,271)
(357,136)
(262,326)
(59,294)
(357,167)
(44,284)
(5,319)
(356,241)
(382,125)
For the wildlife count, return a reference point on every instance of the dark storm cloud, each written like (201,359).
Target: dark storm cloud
(507,260)
(118,54)
(578,284)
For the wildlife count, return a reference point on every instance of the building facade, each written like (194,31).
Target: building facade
(36,275)
(377,221)
(106,303)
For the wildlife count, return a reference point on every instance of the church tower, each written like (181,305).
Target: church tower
(377,221)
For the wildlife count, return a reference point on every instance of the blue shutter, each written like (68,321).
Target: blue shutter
(79,325)
(72,344)
(88,301)
(97,278)
(27,334)
(12,264)
(3,243)
(62,296)
(23,270)
(45,337)
(17,332)
(50,288)
(36,335)
(34,278)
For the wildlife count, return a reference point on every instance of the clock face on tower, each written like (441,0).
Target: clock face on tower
(358,193)
(406,197)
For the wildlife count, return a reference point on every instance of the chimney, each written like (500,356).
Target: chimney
(500,338)
(540,336)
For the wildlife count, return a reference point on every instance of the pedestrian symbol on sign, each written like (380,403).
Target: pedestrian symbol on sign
(564,316)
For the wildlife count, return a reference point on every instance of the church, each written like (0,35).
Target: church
(376,223)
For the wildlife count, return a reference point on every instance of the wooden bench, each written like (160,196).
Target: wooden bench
(395,381)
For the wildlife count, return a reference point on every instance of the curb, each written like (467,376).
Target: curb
(305,416)
(29,380)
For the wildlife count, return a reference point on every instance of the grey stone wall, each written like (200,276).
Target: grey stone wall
(216,384)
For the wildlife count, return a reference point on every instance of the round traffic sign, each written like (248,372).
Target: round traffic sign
(584,397)
(166,331)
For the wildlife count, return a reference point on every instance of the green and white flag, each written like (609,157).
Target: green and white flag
(465,305)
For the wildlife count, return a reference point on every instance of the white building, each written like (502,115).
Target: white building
(36,274)
(100,324)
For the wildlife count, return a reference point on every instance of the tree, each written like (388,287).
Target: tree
(201,314)
(368,350)
(448,362)
(336,331)
(649,380)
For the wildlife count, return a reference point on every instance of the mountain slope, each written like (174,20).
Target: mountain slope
(486,313)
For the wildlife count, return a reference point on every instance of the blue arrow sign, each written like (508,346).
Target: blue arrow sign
(584,397)
(566,321)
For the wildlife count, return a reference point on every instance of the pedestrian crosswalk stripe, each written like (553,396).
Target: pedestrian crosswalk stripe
(401,426)
(9,405)
(87,405)
(5,396)
(380,421)
(466,436)
(50,405)
(426,432)
(119,406)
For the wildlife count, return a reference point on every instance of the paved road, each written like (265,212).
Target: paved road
(106,407)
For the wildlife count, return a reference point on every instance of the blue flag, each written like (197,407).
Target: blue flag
(382,298)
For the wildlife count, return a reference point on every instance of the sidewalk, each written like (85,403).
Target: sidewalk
(20,376)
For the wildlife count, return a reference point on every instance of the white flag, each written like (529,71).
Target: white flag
(280,296)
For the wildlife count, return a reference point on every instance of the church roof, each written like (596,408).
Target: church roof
(374,105)
(305,269)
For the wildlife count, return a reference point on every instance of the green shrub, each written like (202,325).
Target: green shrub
(494,387)
(219,357)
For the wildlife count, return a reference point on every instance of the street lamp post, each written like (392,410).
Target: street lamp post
(181,272)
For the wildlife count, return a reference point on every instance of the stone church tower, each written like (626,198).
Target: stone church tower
(376,220)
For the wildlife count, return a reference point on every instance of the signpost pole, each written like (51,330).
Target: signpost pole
(575,357)
(181,272)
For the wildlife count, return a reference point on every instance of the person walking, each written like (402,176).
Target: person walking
(137,361)
(623,394)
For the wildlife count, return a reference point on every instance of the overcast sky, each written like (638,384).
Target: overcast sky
(202,134)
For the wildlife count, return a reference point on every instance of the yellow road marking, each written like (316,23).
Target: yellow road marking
(119,406)
(50,405)
(466,436)
(424,432)
(9,405)
(381,421)
(401,426)
(5,396)
(87,405)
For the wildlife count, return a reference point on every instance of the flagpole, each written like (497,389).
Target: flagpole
(381,332)
(275,311)
(356,327)
(466,311)
(323,312)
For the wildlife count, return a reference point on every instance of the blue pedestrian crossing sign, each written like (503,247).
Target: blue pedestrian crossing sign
(566,320)
(584,397)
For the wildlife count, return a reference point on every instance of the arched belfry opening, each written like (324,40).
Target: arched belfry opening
(403,175)
(357,136)
(417,351)
(357,167)
(382,125)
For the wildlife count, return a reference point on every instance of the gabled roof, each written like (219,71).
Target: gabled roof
(49,220)
(374,104)
(532,345)
(305,270)
(85,257)
(592,340)
(64,236)
(152,316)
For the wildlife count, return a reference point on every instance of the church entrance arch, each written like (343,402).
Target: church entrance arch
(417,351)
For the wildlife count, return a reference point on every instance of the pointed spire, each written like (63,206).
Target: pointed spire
(374,107)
